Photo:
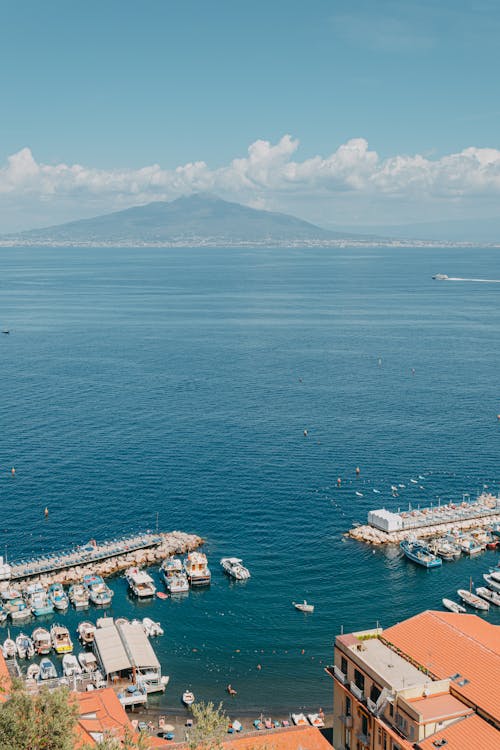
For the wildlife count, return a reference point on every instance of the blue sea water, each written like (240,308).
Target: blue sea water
(180,382)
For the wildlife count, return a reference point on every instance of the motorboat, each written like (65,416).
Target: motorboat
(492,582)
(9,648)
(99,592)
(304,606)
(140,583)
(472,600)
(197,570)
(10,592)
(41,641)
(19,612)
(316,720)
(491,596)
(188,698)
(86,632)
(33,671)
(79,596)
(98,679)
(234,567)
(152,628)
(61,641)
(47,670)
(25,647)
(420,553)
(469,546)
(38,600)
(70,665)
(88,662)
(299,720)
(174,576)
(445,549)
(440,277)
(453,606)
(58,597)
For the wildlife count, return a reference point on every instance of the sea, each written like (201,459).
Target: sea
(174,387)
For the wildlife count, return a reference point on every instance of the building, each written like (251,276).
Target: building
(427,682)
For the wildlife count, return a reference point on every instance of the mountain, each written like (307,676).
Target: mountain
(199,219)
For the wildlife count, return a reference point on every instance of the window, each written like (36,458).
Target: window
(364,724)
(347,706)
(343,665)
(347,742)
(391,709)
(359,680)
(375,693)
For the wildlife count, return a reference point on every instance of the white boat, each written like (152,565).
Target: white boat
(445,549)
(299,720)
(440,277)
(493,584)
(453,606)
(491,596)
(472,600)
(58,597)
(20,615)
(33,671)
(70,665)
(47,670)
(61,641)
(174,576)
(99,592)
(87,661)
(197,570)
(9,648)
(188,698)
(41,641)
(38,600)
(25,647)
(98,679)
(234,567)
(140,583)
(86,632)
(316,720)
(469,546)
(79,596)
(303,606)
(152,628)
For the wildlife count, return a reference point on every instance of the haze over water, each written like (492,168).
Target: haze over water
(179,382)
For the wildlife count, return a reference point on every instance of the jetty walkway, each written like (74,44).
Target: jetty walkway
(104,558)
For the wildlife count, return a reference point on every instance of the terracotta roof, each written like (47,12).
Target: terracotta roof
(439,707)
(466,734)
(5,681)
(100,711)
(294,738)
(448,644)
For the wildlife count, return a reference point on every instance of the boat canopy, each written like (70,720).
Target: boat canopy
(137,646)
(110,650)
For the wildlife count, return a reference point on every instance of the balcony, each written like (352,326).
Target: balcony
(371,706)
(346,720)
(341,677)
(364,739)
(356,691)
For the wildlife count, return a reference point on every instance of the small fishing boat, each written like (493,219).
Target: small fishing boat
(197,570)
(472,600)
(47,670)
(99,592)
(19,612)
(492,582)
(491,596)
(88,662)
(453,606)
(152,628)
(299,719)
(86,632)
(316,720)
(188,698)
(445,549)
(70,665)
(25,647)
(420,553)
(303,606)
(469,546)
(9,648)
(61,641)
(174,577)
(234,568)
(79,596)
(41,641)
(38,600)
(58,597)
(140,583)
(33,671)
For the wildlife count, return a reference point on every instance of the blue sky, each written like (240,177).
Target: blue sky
(118,86)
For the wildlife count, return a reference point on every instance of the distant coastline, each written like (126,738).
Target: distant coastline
(265,244)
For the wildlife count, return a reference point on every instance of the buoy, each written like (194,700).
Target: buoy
(358,471)
(46,512)
(305,433)
(12,471)
(303,651)
(339,481)
(258,666)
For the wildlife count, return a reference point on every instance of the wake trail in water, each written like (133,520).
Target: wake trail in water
(480,281)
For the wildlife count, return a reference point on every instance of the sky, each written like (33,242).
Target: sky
(343,112)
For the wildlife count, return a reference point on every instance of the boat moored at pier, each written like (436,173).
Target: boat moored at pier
(472,600)
(79,596)
(174,576)
(41,641)
(58,597)
(99,592)
(60,638)
(453,606)
(140,583)
(38,600)
(197,570)
(419,553)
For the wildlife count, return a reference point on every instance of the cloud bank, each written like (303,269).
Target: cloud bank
(270,175)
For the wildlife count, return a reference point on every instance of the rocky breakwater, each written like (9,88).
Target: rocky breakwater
(371,535)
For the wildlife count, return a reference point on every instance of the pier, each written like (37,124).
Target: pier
(103,558)
(386,527)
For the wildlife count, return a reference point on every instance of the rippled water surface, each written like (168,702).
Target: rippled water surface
(180,382)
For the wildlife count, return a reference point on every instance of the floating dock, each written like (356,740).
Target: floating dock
(102,558)
(387,527)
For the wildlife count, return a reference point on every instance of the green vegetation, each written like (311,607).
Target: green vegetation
(210,727)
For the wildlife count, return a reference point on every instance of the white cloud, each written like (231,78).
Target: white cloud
(269,175)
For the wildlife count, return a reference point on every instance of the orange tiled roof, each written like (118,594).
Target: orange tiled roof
(439,707)
(100,711)
(294,738)
(470,733)
(447,644)
(5,681)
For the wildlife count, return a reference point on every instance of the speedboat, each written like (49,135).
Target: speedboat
(492,582)
(234,567)
(174,576)
(303,606)
(197,570)
(47,670)
(61,640)
(99,592)
(469,546)
(86,632)
(9,648)
(151,628)
(453,606)
(87,661)
(445,549)
(38,601)
(25,647)
(491,596)
(472,600)
(70,665)
(79,596)
(440,277)
(41,641)
(58,597)
(140,583)
(420,553)
(188,698)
